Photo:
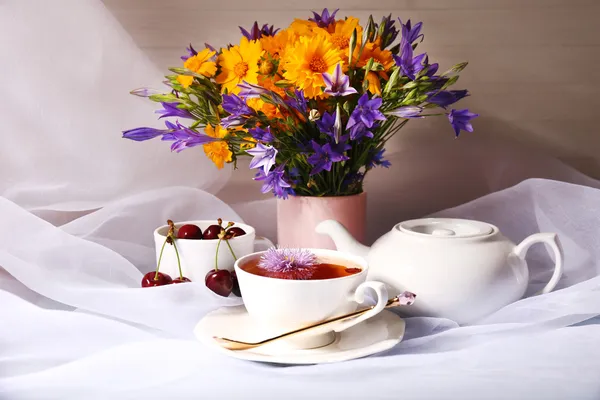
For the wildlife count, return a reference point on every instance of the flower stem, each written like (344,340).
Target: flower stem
(159,259)
(178,260)
(230,249)
(217,256)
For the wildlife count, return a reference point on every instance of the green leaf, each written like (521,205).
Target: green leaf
(392,81)
(412,94)
(267,99)
(365,36)
(352,46)
(451,81)
(456,69)
(371,31)
(368,67)
(346,107)
(283,83)
(410,85)
(185,71)
(168,98)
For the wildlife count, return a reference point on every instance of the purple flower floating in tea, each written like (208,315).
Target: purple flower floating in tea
(288,263)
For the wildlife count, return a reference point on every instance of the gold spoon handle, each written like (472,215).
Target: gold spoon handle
(405,298)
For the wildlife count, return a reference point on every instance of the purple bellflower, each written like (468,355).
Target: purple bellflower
(171,110)
(144,92)
(331,124)
(288,263)
(324,156)
(338,84)
(359,130)
(388,31)
(444,98)
(407,112)
(325,19)
(190,53)
(409,65)
(461,119)
(274,182)
(185,138)
(238,109)
(262,135)
(377,160)
(250,91)
(235,105)
(143,133)
(264,156)
(298,101)
(325,123)
(256,32)
(366,111)
(411,33)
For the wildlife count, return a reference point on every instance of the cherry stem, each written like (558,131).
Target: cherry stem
(159,259)
(217,256)
(230,249)
(178,260)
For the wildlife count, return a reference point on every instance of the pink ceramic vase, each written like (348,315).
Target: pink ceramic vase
(297,217)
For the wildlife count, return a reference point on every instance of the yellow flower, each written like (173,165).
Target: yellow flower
(342,30)
(239,63)
(200,64)
(249,143)
(303,27)
(374,83)
(217,151)
(307,60)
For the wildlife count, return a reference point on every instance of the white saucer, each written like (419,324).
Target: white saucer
(375,335)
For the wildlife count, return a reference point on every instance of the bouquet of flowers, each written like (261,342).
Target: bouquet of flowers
(313,104)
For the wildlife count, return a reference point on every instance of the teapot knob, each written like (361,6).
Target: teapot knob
(443,232)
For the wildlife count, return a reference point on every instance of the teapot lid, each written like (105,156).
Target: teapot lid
(446,228)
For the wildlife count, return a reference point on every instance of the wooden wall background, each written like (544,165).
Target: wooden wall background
(533,77)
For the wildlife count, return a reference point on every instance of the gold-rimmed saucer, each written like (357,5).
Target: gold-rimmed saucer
(375,335)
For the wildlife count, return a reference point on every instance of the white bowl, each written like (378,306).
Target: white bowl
(197,256)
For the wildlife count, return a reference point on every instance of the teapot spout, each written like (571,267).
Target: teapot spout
(342,238)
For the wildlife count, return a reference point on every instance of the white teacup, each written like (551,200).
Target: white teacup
(283,305)
(198,256)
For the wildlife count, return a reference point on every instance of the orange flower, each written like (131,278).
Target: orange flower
(217,151)
(270,110)
(374,83)
(371,50)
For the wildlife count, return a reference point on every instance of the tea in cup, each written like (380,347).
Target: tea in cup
(197,256)
(288,289)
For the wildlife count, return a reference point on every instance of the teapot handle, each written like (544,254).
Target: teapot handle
(551,239)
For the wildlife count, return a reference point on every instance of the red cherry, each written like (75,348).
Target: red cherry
(162,279)
(236,231)
(181,280)
(219,282)
(236,285)
(189,231)
(212,232)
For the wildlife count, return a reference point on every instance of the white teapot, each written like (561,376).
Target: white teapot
(459,269)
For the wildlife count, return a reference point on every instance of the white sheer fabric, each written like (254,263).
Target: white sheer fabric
(74,323)
(74,320)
